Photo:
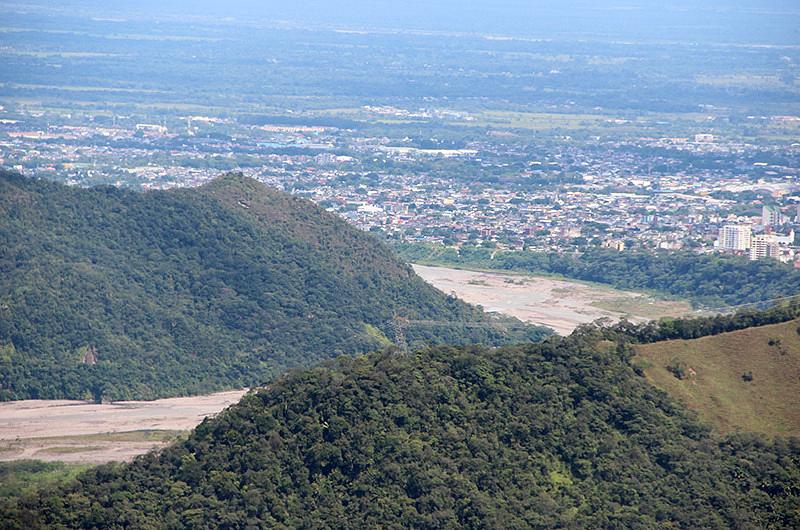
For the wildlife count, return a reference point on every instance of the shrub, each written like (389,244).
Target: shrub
(677,368)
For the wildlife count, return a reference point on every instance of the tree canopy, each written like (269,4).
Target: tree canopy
(561,433)
(111,293)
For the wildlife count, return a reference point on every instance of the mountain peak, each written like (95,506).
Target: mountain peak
(233,179)
(193,290)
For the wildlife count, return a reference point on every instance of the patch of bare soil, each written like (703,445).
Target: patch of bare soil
(77,431)
(559,304)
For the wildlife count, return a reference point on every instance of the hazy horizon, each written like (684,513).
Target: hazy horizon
(776,22)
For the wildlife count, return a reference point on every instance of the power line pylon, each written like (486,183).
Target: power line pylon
(399,324)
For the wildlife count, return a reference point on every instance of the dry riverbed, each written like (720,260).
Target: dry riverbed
(77,431)
(559,304)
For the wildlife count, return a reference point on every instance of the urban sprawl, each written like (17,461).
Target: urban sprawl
(498,189)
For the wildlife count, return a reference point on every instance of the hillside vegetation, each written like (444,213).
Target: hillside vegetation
(557,434)
(711,280)
(111,293)
(26,476)
(746,380)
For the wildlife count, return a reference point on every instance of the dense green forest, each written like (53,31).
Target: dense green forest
(711,280)
(556,434)
(111,293)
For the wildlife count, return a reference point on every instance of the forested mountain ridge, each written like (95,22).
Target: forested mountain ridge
(106,292)
(561,433)
(304,221)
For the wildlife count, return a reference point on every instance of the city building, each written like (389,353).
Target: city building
(704,138)
(762,246)
(771,215)
(735,237)
(772,246)
(614,244)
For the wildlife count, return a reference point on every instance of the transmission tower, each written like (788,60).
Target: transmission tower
(399,324)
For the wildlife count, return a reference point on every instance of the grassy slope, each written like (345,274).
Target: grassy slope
(768,404)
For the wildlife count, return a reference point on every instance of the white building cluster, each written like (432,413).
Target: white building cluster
(740,238)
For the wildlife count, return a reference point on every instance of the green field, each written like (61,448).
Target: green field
(716,370)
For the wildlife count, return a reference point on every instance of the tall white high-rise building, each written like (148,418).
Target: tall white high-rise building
(735,237)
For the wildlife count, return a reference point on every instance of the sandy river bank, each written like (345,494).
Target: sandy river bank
(77,431)
(559,304)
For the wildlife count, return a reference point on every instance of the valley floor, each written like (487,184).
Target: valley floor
(77,431)
(559,304)
(80,432)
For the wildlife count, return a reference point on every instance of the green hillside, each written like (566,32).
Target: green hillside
(560,434)
(746,380)
(111,293)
